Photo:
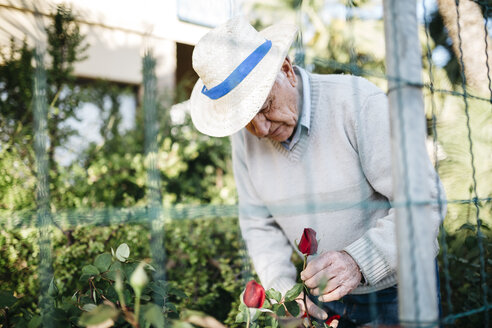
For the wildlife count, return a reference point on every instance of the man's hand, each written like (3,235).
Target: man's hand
(313,309)
(337,271)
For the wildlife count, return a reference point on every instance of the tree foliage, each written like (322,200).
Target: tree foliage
(65,48)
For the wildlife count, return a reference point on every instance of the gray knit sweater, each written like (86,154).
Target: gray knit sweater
(336,180)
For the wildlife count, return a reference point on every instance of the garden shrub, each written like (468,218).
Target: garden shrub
(464,268)
(204,259)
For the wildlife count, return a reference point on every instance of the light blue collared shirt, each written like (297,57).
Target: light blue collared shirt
(305,119)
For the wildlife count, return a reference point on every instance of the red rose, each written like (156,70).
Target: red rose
(308,244)
(330,319)
(254,295)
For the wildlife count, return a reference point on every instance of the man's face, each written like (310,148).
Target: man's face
(278,117)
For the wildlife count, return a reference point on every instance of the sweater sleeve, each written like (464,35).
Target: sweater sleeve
(267,245)
(376,251)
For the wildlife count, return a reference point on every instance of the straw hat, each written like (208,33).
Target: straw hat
(237,67)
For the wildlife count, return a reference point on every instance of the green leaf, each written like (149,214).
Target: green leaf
(242,307)
(293,308)
(242,317)
(103,261)
(128,296)
(177,292)
(159,288)
(54,317)
(100,314)
(293,292)
(255,313)
(122,252)
(170,307)
(279,309)
(35,322)
(128,268)
(90,270)
(74,296)
(89,307)
(153,315)
(150,267)
(271,321)
(273,294)
(111,294)
(115,267)
(7,299)
(274,323)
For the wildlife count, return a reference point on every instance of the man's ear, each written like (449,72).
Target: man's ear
(288,70)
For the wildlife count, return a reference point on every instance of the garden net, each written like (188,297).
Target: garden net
(458,120)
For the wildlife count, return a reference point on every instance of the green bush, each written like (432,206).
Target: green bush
(463,272)
(203,260)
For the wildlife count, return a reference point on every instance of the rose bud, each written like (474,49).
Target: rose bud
(308,244)
(139,278)
(254,295)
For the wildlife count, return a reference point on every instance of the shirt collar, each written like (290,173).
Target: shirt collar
(306,98)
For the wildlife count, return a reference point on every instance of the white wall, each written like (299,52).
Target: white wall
(118,31)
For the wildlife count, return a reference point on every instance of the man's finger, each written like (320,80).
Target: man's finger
(316,311)
(316,265)
(334,295)
(300,302)
(320,279)
(329,286)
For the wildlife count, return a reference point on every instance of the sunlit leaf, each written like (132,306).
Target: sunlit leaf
(123,252)
(89,307)
(273,294)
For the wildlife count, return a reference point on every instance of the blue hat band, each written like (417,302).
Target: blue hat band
(240,73)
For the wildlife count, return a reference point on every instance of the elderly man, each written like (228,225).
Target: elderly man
(309,151)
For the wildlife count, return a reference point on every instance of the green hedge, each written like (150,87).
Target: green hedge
(203,258)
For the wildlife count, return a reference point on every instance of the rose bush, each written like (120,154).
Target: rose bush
(282,310)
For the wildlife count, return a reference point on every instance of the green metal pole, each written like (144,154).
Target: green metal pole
(42,190)
(153,174)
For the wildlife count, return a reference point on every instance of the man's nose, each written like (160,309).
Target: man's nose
(261,125)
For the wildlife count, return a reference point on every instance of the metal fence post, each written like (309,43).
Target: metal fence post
(41,140)
(416,264)
(153,174)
